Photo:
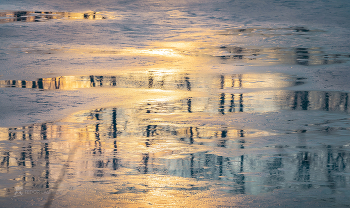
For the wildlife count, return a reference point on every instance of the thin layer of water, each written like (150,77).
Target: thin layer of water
(208,138)
(173,103)
(110,144)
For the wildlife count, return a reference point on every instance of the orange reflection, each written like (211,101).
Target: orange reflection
(166,135)
(37,16)
(159,78)
(158,148)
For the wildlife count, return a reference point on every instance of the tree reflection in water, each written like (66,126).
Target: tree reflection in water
(115,140)
(39,16)
(109,153)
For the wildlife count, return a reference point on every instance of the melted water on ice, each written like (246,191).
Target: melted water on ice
(232,103)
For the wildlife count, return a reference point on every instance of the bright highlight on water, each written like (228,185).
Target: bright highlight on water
(174,103)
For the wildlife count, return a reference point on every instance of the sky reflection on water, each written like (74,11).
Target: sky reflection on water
(239,103)
(192,138)
(38,16)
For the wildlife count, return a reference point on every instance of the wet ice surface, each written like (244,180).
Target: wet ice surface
(238,103)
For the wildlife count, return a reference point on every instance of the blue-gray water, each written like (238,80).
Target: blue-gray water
(174,103)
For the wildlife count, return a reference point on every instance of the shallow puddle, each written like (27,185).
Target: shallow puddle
(237,134)
(39,16)
(162,80)
(174,104)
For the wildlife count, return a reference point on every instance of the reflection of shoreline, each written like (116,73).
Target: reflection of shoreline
(166,81)
(292,56)
(279,55)
(268,95)
(316,100)
(37,16)
(265,101)
(113,141)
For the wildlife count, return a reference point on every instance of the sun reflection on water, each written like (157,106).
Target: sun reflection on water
(167,147)
(169,134)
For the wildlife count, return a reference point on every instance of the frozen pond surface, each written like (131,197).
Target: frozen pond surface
(175,104)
